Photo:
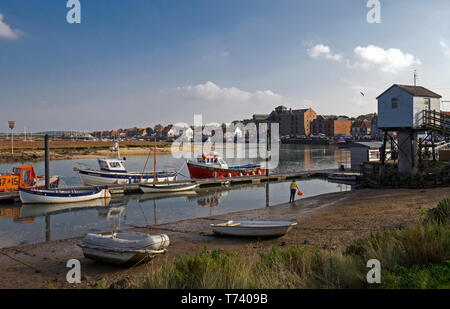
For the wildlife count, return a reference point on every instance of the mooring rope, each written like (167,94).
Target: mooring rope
(17,260)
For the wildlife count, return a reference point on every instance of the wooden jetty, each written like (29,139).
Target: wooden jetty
(209,182)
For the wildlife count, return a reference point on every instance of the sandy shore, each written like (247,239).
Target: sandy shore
(332,220)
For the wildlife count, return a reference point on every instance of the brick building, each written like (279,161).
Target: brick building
(293,122)
(331,126)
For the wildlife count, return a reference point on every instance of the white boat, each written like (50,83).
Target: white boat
(66,195)
(166,187)
(343,177)
(253,228)
(123,247)
(112,171)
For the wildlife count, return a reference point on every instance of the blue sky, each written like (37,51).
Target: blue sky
(139,63)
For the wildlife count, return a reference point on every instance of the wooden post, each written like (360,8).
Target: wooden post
(383,149)
(433,147)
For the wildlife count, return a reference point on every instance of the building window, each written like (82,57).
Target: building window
(394,103)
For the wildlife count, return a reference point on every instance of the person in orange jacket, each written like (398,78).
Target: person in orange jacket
(294,187)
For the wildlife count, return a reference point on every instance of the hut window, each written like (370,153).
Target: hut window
(394,103)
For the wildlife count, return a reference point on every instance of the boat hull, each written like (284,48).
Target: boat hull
(123,248)
(46,197)
(197,171)
(159,188)
(253,228)
(92,178)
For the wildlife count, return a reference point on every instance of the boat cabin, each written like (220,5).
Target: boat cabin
(112,165)
(213,159)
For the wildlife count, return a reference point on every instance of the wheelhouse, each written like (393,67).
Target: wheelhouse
(112,165)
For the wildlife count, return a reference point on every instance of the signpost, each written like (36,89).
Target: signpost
(12,124)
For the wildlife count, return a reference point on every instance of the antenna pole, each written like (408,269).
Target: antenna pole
(415,77)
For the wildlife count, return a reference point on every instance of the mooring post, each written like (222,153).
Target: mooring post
(47,162)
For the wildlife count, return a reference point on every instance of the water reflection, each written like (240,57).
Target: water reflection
(38,223)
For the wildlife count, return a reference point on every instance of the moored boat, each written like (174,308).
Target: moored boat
(253,228)
(66,195)
(166,187)
(24,176)
(338,142)
(123,247)
(112,171)
(214,166)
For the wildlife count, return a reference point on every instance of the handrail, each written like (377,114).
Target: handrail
(436,121)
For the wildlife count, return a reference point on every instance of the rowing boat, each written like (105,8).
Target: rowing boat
(64,195)
(253,228)
(166,187)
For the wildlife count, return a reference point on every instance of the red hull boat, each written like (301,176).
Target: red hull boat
(213,166)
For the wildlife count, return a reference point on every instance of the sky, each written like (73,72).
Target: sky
(141,62)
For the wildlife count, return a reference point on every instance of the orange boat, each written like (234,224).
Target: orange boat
(24,176)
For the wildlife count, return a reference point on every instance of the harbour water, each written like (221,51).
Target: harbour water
(20,225)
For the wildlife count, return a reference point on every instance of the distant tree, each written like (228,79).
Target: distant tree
(158,128)
(149,131)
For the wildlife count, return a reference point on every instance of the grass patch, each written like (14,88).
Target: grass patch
(413,257)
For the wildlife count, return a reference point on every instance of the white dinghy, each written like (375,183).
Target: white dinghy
(253,228)
(166,187)
(123,247)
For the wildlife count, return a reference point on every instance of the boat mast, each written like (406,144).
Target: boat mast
(154,164)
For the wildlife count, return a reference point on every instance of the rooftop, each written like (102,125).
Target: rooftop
(417,91)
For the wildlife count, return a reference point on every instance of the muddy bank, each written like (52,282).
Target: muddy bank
(68,154)
(61,153)
(331,221)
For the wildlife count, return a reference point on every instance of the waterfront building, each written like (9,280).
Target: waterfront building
(293,122)
(331,126)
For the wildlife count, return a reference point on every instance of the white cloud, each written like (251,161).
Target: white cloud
(209,91)
(321,50)
(6,31)
(390,60)
(218,103)
(445,48)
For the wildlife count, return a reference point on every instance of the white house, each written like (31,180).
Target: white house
(401,106)
(189,133)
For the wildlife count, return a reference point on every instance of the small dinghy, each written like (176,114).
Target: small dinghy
(66,195)
(253,228)
(123,247)
(166,187)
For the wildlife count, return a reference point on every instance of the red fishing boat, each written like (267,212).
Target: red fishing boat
(213,166)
